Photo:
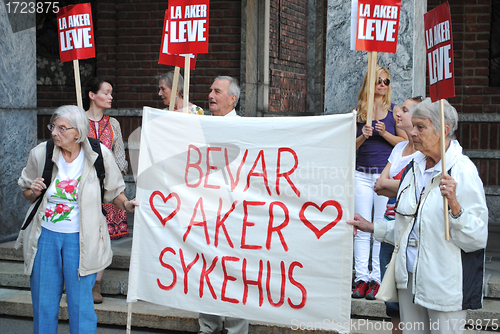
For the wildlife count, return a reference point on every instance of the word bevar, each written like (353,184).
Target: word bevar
(439,59)
(78,37)
(196,167)
(207,267)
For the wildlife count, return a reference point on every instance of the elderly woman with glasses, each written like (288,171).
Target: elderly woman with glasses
(68,242)
(374,144)
(387,185)
(437,279)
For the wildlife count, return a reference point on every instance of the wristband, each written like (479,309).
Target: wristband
(33,192)
(124,207)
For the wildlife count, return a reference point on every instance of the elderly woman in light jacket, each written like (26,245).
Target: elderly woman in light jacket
(67,242)
(437,279)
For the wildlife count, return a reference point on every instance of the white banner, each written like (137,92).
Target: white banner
(245,217)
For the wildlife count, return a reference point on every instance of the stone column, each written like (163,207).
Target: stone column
(345,69)
(254,77)
(18,124)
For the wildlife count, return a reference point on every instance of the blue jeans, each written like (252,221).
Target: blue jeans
(391,309)
(56,264)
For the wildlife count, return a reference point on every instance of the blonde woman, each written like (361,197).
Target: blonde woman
(374,144)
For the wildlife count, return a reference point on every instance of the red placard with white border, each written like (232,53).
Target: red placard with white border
(439,44)
(188,26)
(378,25)
(167,58)
(76,33)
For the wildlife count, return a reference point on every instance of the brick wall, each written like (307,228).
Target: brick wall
(288,56)
(471,27)
(128,39)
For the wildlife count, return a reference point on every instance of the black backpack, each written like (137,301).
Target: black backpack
(47,174)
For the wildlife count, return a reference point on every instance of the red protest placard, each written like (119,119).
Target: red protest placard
(439,44)
(167,58)
(378,25)
(188,26)
(76,33)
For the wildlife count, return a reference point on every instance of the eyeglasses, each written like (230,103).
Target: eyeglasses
(413,212)
(58,128)
(386,82)
(396,206)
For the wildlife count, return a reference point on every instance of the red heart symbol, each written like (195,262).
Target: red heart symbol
(165,199)
(328,227)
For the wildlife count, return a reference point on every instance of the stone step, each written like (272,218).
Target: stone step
(15,298)
(113,311)
(121,253)
(115,281)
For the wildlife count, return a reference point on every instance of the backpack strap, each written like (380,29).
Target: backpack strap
(47,179)
(99,167)
(47,175)
(405,171)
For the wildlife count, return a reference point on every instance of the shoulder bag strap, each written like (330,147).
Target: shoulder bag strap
(47,179)
(99,167)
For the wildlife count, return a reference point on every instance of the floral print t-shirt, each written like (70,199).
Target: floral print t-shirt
(62,213)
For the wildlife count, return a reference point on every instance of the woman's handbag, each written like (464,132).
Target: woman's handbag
(388,292)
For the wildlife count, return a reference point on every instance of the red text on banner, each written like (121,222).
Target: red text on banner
(439,44)
(377,25)
(76,36)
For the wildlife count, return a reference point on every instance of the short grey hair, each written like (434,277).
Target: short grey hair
(432,111)
(168,79)
(77,119)
(234,87)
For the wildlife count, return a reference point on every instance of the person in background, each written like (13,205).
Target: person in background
(387,185)
(67,242)
(374,144)
(438,280)
(107,130)
(165,83)
(223,98)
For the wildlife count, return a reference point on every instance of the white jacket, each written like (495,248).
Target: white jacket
(95,245)
(448,275)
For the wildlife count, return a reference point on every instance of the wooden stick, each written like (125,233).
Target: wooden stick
(443,168)
(187,64)
(78,85)
(173,94)
(372,66)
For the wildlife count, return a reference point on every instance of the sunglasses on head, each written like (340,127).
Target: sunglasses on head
(386,82)
(417,98)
